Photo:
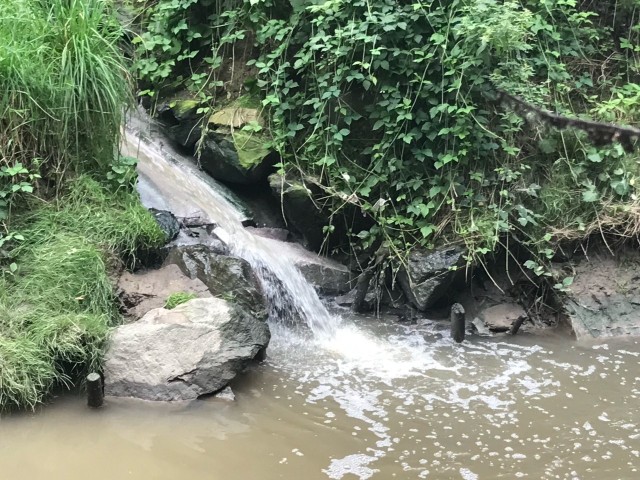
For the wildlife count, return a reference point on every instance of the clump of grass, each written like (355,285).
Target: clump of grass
(25,372)
(56,312)
(114,220)
(64,83)
(178,298)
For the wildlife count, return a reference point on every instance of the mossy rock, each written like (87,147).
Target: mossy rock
(234,117)
(180,117)
(237,157)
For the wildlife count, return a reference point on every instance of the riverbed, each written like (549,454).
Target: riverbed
(376,401)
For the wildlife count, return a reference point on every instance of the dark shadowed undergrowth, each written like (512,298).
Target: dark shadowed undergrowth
(55,312)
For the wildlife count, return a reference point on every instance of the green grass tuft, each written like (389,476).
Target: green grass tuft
(64,83)
(178,298)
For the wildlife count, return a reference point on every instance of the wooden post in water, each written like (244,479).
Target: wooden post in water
(95,394)
(515,326)
(457,322)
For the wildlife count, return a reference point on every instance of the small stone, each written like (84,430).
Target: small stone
(226,394)
(500,317)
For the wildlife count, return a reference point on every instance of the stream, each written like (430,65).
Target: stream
(377,401)
(350,397)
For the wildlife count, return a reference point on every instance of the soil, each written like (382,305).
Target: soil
(143,291)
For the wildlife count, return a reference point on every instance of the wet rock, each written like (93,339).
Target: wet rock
(604,299)
(168,223)
(300,210)
(232,155)
(499,318)
(181,121)
(327,276)
(480,327)
(226,394)
(200,236)
(370,300)
(280,234)
(195,349)
(143,291)
(429,274)
(225,276)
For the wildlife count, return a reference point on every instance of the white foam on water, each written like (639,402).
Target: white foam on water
(356,464)
(467,474)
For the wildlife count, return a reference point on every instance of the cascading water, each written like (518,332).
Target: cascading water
(171,181)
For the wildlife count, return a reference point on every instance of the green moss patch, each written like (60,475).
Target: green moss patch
(251,149)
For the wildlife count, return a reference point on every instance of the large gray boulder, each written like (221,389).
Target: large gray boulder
(604,299)
(429,274)
(226,276)
(195,349)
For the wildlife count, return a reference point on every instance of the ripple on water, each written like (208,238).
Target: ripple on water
(412,385)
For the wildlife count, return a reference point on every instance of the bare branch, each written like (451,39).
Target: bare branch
(599,133)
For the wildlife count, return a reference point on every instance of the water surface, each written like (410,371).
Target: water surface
(374,402)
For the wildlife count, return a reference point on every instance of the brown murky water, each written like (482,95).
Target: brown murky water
(403,402)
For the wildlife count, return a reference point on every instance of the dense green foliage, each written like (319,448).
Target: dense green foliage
(389,106)
(63,89)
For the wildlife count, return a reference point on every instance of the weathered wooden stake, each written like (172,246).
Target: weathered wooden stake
(515,326)
(457,322)
(95,394)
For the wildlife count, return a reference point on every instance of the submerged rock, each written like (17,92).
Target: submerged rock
(499,318)
(327,276)
(604,299)
(428,274)
(195,349)
(280,234)
(225,276)
(226,394)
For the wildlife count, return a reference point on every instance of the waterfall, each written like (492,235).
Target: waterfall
(171,181)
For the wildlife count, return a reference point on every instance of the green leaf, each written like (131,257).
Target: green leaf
(427,230)
(590,196)
(594,157)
